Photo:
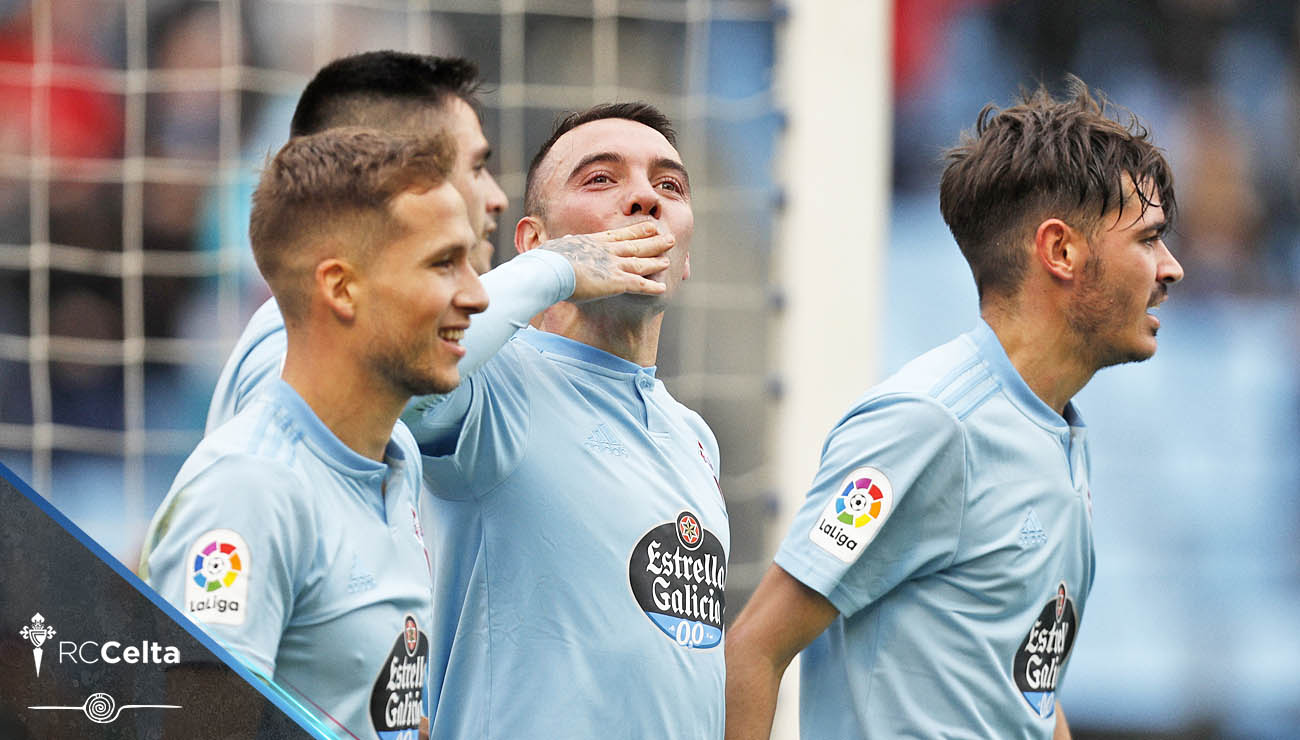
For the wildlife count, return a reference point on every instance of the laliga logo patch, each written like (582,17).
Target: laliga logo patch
(678,574)
(855,515)
(1038,662)
(397,698)
(217,591)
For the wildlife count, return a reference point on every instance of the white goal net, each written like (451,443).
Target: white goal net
(133,130)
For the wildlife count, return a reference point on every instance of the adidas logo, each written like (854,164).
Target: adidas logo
(602,440)
(1032,533)
(358,578)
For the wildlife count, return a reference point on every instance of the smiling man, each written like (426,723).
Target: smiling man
(291,532)
(406,93)
(582,549)
(938,569)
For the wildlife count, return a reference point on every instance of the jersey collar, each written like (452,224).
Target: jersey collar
(544,341)
(995,357)
(331,448)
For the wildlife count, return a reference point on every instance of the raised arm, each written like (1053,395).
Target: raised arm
(782,618)
(577,268)
(571,267)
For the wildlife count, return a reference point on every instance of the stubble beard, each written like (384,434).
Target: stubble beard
(627,309)
(1096,317)
(402,370)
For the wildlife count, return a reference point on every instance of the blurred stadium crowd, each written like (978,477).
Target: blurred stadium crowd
(1197,524)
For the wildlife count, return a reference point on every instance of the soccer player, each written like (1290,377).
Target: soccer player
(938,569)
(291,532)
(410,93)
(581,556)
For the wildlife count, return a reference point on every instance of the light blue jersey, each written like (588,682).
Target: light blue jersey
(950,524)
(580,554)
(305,558)
(254,364)
(517,290)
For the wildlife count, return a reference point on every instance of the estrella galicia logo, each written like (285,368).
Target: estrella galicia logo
(1042,655)
(678,573)
(37,633)
(398,695)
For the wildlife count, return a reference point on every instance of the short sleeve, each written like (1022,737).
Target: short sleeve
(229,550)
(886,504)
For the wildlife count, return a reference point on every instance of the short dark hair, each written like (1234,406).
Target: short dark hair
(1039,159)
(643,113)
(335,187)
(374,88)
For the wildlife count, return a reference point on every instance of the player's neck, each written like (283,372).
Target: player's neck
(1042,352)
(358,410)
(635,339)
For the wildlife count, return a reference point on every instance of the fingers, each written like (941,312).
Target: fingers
(631,231)
(648,246)
(644,265)
(643,286)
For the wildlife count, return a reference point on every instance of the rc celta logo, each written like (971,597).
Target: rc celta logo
(99,707)
(37,633)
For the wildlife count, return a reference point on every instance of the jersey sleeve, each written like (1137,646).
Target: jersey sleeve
(518,290)
(886,504)
(253,365)
(486,442)
(230,550)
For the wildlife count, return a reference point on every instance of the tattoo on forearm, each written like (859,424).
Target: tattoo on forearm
(589,256)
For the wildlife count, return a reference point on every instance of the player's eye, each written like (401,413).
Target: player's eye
(672,186)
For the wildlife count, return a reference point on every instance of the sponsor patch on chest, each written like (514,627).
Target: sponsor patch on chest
(678,576)
(1038,663)
(397,699)
(854,515)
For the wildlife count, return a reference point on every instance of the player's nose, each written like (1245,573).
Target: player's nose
(642,199)
(471,297)
(1170,270)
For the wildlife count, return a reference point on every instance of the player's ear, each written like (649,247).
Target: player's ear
(337,286)
(686,269)
(529,234)
(1060,249)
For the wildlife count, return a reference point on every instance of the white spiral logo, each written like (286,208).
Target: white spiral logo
(100,708)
